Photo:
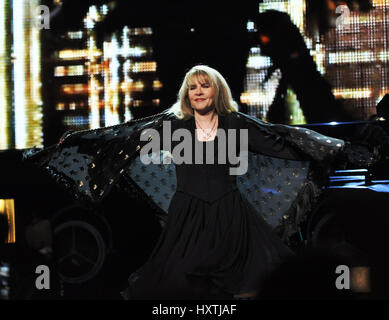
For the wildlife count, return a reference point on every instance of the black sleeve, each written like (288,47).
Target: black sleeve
(272,145)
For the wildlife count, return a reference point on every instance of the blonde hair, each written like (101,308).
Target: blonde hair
(224,103)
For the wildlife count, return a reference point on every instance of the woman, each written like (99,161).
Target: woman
(216,243)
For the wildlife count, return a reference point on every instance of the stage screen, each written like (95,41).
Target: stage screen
(52,81)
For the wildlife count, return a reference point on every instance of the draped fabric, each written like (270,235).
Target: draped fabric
(287,166)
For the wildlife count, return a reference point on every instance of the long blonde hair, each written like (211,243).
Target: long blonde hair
(224,103)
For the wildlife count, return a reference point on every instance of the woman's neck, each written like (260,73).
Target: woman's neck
(205,120)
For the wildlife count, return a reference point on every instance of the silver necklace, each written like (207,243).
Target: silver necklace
(205,134)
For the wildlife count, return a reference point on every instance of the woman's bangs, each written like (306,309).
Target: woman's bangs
(201,77)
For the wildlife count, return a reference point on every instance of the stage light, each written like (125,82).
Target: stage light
(264,39)
(383,107)
(7,209)
(360,279)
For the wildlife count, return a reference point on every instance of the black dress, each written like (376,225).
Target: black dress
(214,244)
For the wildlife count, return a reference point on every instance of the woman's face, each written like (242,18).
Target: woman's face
(201,94)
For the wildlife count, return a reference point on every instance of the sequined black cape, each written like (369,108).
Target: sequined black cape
(90,163)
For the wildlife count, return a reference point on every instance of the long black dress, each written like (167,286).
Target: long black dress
(214,244)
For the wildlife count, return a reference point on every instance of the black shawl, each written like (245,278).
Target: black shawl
(288,167)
